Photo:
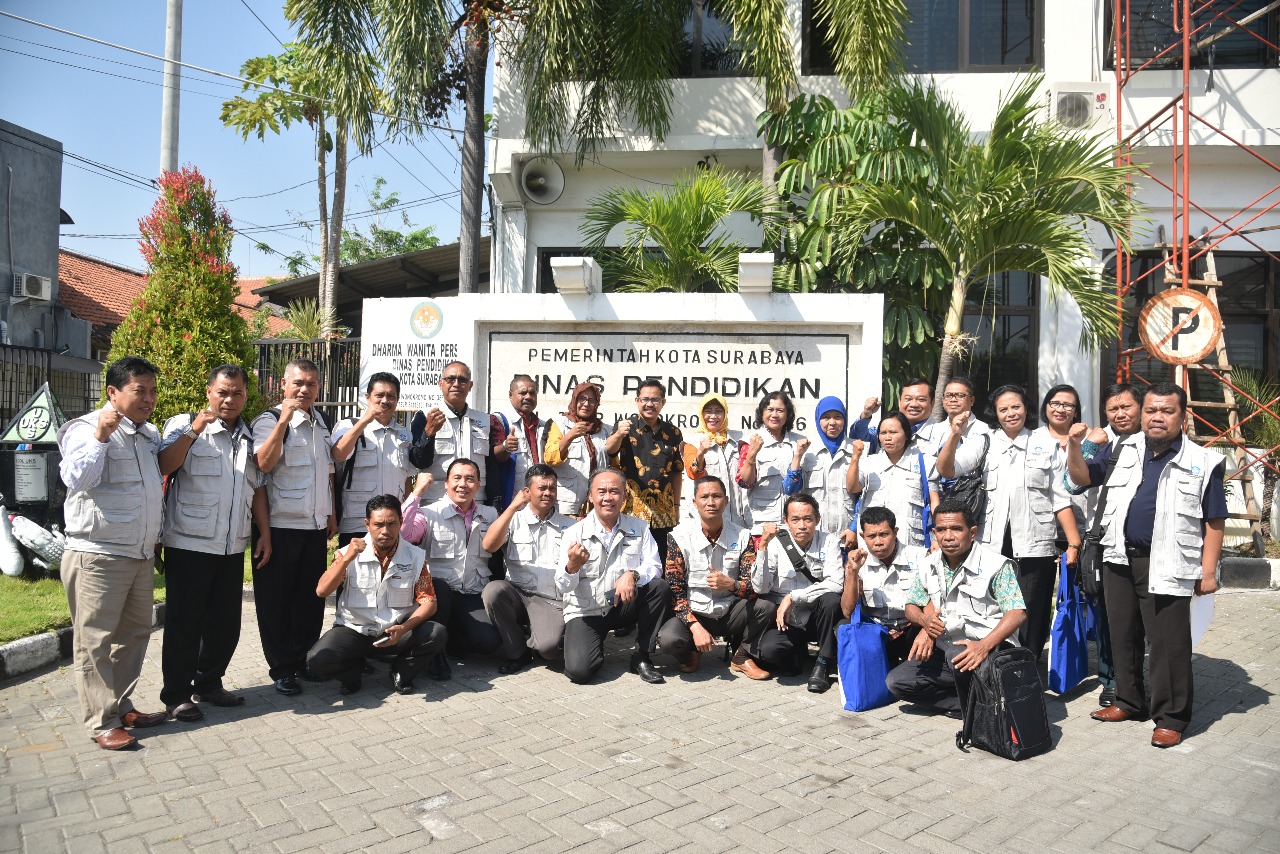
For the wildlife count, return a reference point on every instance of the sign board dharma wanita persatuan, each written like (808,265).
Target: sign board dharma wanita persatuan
(740,346)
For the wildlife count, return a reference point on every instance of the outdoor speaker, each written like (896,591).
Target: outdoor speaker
(542,180)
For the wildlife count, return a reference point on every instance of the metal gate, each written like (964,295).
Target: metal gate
(339,363)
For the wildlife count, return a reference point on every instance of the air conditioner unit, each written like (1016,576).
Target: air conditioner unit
(32,286)
(1082,106)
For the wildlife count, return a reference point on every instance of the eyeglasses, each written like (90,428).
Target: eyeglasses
(955,395)
(455,380)
(582,400)
(1062,404)
(651,400)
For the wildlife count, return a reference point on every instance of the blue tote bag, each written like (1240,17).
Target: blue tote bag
(864,663)
(1069,638)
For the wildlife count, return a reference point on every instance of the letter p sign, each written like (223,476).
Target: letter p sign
(1180,315)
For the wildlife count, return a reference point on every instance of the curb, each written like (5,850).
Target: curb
(27,654)
(1250,572)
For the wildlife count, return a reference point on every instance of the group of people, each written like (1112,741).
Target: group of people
(521,536)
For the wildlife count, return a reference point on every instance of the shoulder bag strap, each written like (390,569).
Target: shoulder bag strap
(925,511)
(793,552)
(1095,532)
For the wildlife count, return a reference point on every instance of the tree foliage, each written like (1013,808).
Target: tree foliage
(184,322)
(673,239)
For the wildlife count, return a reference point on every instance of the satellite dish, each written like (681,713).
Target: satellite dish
(542,180)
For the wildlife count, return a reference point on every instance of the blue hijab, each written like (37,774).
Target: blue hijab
(830,404)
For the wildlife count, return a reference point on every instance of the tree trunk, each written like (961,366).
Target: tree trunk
(329,308)
(476,65)
(951,340)
(322,183)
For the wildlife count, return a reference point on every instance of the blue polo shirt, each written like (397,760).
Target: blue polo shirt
(1139,524)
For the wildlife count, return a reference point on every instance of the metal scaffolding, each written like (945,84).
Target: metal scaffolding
(1177,35)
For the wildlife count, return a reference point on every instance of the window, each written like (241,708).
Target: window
(1216,40)
(1249,301)
(708,48)
(546,281)
(951,35)
(1002,314)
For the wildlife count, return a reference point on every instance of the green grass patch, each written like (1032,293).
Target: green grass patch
(31,607)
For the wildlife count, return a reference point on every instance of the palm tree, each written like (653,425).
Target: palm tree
(1018,199)
(586,69)
(673,239)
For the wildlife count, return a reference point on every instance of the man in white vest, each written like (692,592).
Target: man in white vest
(454,541)
(1163,525)
(386,605)
(609,577)
(370,455)
(456,432)
(966,601)
(531,529)
(215,496)
(291,446)
(524,441)
(957,397)
(708,569)
(113,515)
(884,581)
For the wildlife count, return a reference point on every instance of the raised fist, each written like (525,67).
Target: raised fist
(435,420)
(871,407)
(1078,432)
(856,449)
(108,421)
(203,419)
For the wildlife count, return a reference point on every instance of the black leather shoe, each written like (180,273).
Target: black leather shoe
(288,685)
(399,684)
(644,668)
(515,665)
(309,676)
(346,689)
(819,681)
(438,669)
(368,668)
(1107,697)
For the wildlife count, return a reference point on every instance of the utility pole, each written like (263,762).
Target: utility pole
(169,104)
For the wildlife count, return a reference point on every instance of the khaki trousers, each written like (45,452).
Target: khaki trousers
(110,599)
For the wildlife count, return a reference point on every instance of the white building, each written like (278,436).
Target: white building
(975,50)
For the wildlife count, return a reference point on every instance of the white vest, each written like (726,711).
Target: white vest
(765,498)
(210,499)
(1027,511)
(461,437)
(825,480)
(371,601)
(722,462)
(123,514)
(522,456)
(775,575)
(701,556)
(298,489)
(379,466)
(1177,543)
(966,606)
(574,473)
(885,587)
(533,548)
(458,558)
(592,591)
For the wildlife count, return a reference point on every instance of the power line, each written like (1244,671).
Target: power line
(273,193)
(260,21)
(112,74)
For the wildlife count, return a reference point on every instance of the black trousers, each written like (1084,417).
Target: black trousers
(341,652)
(898,649)
(1038,581)
(660,537)
(1135,615)
(290,614)
(201,621)
(781,651)
(584,636)
(463,614)
(744,624)
(1106,659)
(934,682)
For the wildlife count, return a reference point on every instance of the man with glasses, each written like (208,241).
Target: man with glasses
(650,458)
(958,397)
(915,402)
(455,432)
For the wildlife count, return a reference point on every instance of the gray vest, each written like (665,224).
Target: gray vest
(371,601)
(210,498)
(592,592)
(765,498)
(966,606)
(533,547)
(458,558)
(574,473)
(298,486)
(122,515)
(379,465)
(722,462)
(701,556)
(465,438)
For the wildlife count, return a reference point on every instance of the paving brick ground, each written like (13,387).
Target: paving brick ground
(702,764)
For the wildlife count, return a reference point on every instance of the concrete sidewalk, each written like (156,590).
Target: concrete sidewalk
(711,762)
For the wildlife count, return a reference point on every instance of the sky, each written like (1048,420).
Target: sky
(98,115)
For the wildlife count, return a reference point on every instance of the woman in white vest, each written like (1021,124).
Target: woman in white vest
(715,454)
(770,461)
(1025,501)
(893,477)
(826,468)
(578,444)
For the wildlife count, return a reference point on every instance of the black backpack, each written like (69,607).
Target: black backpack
(1005,713)
(972,488)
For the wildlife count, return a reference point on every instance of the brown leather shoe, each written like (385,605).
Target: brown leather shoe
(744,664)
(219,697)
(1164,737)
(692,663)
(138,720)
(1111,714)
(115,739)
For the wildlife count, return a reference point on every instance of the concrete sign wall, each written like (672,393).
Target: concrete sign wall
(743,347)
